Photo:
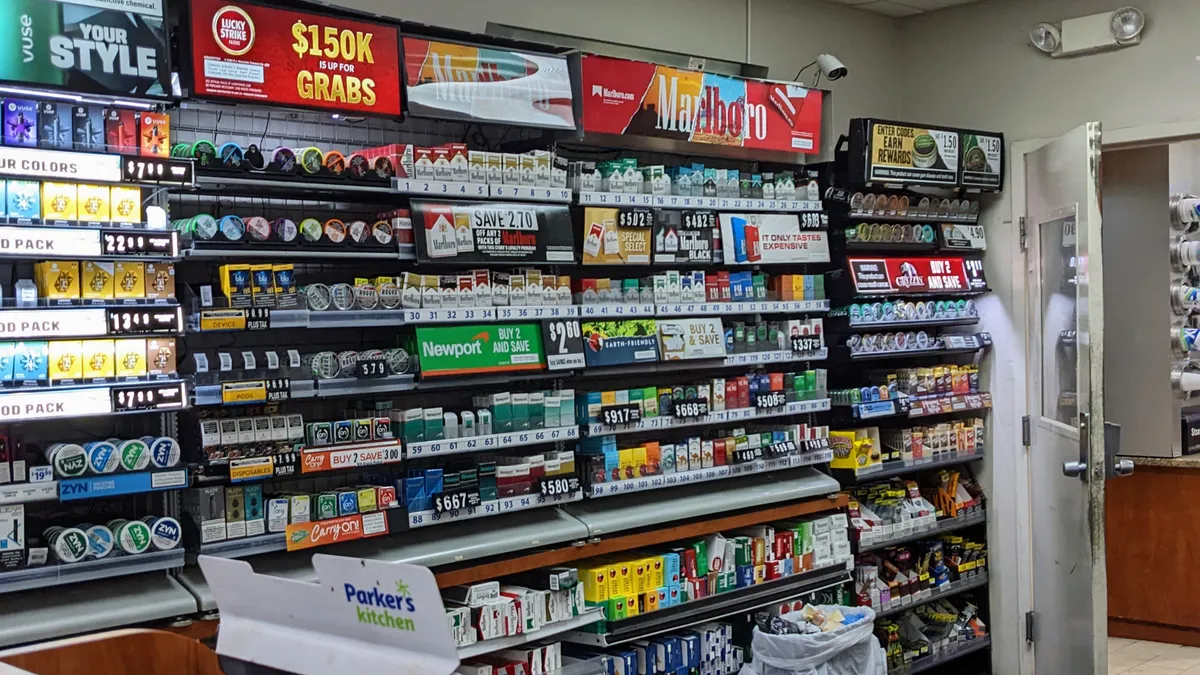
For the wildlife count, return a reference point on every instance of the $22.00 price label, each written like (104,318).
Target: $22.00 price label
(618,415)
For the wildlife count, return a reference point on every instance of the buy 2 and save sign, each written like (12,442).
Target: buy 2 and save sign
(250,52)
(463,350)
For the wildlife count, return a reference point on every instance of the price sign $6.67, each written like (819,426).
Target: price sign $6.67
(454,501)
(564,343)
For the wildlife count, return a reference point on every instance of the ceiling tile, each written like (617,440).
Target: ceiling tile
(888,8)
(932,4)
(856,2)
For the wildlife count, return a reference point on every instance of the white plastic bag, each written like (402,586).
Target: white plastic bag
(849,650)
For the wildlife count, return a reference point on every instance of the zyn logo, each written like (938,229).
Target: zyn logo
(458,350)
(604,92)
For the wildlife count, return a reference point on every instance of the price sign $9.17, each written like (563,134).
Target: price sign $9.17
(563,340)
(620,415)
(455,501)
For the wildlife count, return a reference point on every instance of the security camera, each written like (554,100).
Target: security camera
(831,67)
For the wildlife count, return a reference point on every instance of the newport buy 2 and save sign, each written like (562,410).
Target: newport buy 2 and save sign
(463,350)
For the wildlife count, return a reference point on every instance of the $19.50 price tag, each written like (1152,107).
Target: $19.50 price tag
(690,407)
(455,501)
(553,486)
(618,415)
(770,399)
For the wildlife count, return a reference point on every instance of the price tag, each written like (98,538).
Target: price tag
(248,361)
(258,318)
(293,358)
(813,220)
(563,340)
(455,501)
(139,243)
(141,321)
(690,407)
(201,362)
(770,399)
(226,360)
(805,343)
(553,486)
(620,415)
(781,449)
(272,360)
(279,389)
(147,397)
(136,169)
(635,218)
(371,369)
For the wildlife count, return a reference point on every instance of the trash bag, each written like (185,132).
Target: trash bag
(849,650)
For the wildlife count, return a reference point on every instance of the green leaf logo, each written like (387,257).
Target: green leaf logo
(299,536)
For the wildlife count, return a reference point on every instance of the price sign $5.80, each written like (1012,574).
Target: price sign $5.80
(553,486)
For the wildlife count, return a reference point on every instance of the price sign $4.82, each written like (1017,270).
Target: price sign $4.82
(455,501)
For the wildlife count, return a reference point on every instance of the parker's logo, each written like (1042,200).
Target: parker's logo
(376,607)
(604,92)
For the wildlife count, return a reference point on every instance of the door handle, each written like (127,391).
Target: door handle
(1122,467)
(1114,467)
(1075,469)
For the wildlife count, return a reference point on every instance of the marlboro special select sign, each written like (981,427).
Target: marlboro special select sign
(633,98)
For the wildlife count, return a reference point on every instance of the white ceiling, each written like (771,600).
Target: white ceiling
(901,7)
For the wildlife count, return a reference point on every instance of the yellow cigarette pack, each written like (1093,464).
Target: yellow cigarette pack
(94,203)
(99,361)
(130,280)
(57,279)
(98,280)
(125,204)
(59,202)
(235,283)
(66,360)
(130,357)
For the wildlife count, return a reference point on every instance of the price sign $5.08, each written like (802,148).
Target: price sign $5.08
(771,399)
(455,501)
(553,486)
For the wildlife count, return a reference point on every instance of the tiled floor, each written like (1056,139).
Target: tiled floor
(1133,657)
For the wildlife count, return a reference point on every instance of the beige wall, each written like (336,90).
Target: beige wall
(1003,83)
(785,34)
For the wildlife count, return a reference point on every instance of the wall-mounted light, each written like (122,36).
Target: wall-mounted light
(1089,34)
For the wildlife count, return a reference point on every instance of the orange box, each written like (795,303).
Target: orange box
(154,134)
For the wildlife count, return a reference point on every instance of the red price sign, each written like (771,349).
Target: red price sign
(250,52)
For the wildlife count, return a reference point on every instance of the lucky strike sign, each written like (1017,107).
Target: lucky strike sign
(916,275)
(250,52)
(633,98)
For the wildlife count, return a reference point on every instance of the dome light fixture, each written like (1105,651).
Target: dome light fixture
(1045,37)
(1126,25)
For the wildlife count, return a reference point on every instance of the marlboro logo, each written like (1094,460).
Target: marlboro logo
(604,92)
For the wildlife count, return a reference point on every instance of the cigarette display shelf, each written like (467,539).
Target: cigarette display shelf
(92,606)
(875,217)
(51,574)
(940,527)
(305,462)
(617,310)
(669,480)
(725,308)
(715,417)
(893,469)
(717,606)
(549,630)
(976,580)
(730,361)
(489,509)
(944,405)
(943,657)
(211,394)
(226,251)
(461,190)
(919,323)
(489,443)
(682,202)
(283,186)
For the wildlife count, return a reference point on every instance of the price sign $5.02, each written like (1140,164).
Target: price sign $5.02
(553,486)
(455,501)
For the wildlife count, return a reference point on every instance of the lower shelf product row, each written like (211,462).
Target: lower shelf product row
(79,542)
(901,508)
(706,649)
(930,634)
(869,449)
(906,576)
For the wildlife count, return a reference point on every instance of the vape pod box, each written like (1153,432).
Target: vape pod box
(87,123)
(154,134)
(121,131)
(20,123)
(256,523)
(54,126)
(12,536)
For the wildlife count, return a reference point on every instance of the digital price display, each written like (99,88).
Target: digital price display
(131,398)
(137,169)
(139,243)
(142,320)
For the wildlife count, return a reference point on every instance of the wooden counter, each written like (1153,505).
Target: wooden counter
(1153,547)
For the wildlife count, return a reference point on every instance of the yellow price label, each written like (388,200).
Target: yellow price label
(249,469)
(253,391)
(967,566)
(222,319)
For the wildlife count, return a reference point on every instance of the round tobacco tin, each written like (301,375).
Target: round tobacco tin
(358,231)
(868,204)
(382,232)
(922,340)
(285,229)
(902,207)
(389,295)
(893,205)
(383,167)
(67,459)
(100,541)
(283,159)
(342,296)
(357,166)
(231,156)
(856,202)
(133,536)
(335,162)
(335,230)
(134,454)
(102,456)
(232,227)
(854,342)
(164,451)
(311,160)
(317,296)
(70,544)
(310,230)
(258,228)
(910,339)
(165,533)
(205,153)
(398,361)
(366,296)
(324,365)
(901,341)
(205,227)
(856,315)
(254,158)
(347,362)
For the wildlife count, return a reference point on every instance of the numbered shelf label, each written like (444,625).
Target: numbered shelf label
(433,315)
(687,202)
(626,418)
(617,310)
(439,188)
(538,312)
(491,442)
(530,193)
